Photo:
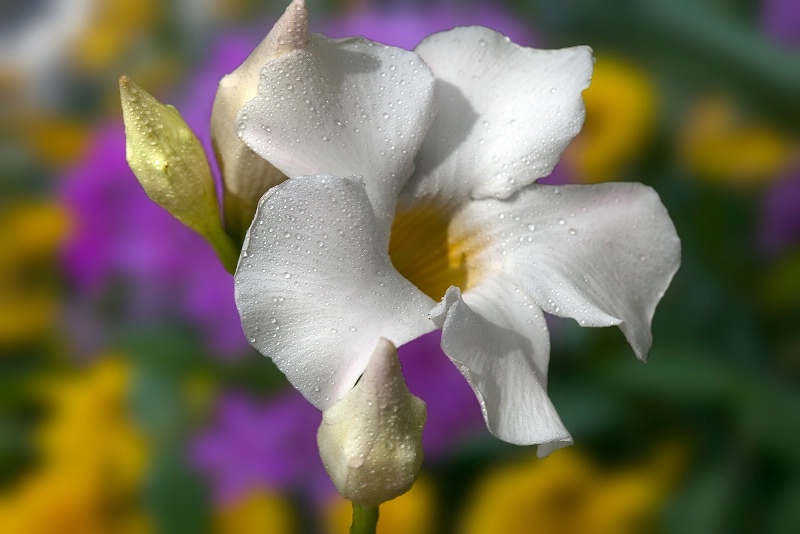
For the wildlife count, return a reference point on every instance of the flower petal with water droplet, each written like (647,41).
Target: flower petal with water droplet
(246,176)
(504,113)
(498,339)
(337,299)
(601,254)
(347,107)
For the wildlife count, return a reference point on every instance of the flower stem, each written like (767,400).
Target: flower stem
(365,520)
(224,246)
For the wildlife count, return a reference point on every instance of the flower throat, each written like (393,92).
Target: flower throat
(432,252)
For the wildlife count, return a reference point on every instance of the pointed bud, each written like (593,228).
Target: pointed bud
(245,175)
(371,440)
(170,163)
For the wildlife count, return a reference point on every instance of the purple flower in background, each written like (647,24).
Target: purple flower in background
(780,224)
(453,410)
(262,445)
(404,25)
(781,20)
(272,444)
(125,241)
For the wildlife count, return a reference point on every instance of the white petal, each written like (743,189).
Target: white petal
(245,175)
(504,112)
(347,107)
(601,254)
(315,287)
(497,337)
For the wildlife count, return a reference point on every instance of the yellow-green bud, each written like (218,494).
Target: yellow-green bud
(370,441)
(169,162)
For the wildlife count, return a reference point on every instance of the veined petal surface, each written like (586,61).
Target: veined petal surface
(315,286)
(601,254)
(347,107)
(504,113)
(497,337)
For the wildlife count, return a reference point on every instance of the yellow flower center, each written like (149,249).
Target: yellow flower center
(434,249)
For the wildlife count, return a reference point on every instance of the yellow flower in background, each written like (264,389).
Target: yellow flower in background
(621,105)
(66,501)
(113,26)
(779,289)
(721,144)
(31,234)
(567,493)
(57,141)
(413,511)
(257,513)
(92,461)
(90,428)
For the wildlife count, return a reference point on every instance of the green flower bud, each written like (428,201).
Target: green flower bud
(169,162)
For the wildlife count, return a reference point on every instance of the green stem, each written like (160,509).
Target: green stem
(365,520)
(224,246)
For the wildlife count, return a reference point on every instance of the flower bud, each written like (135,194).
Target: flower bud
(169,162)
(246,176)
(370,441)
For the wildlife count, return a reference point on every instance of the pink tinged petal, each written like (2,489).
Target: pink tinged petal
(245,175)
(601,254)
(504,113)
(347,107)
(315,287)
(497,337)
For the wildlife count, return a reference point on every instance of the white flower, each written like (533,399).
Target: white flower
(412,180)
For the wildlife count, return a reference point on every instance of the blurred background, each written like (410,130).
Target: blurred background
(131,402)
